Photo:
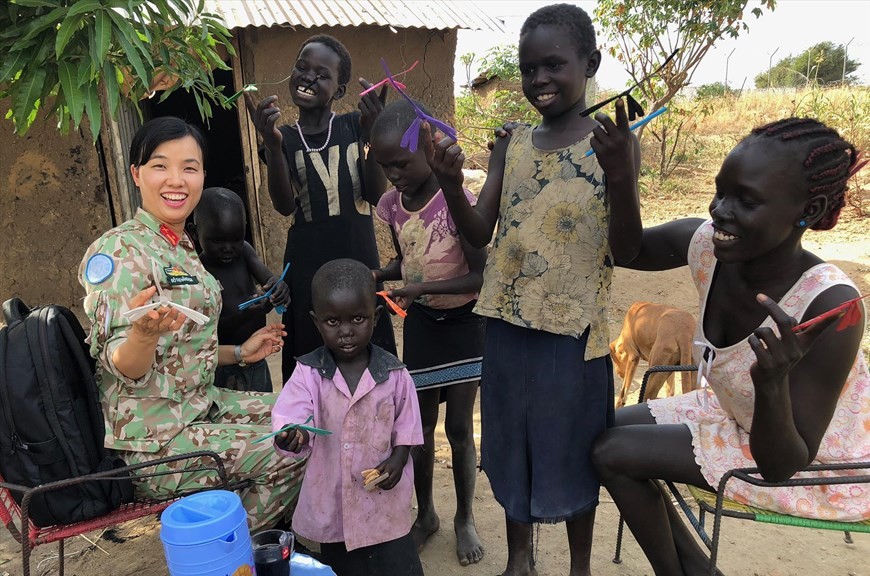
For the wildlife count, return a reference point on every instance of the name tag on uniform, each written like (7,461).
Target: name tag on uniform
(176,276)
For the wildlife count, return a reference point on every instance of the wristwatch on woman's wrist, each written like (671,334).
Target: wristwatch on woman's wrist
(238,351)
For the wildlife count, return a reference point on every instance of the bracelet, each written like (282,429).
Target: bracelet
(238,353)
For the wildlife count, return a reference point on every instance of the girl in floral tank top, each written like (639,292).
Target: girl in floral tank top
(563,219)
(778,399)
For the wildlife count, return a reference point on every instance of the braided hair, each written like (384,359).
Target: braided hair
(572,18)
(828,163)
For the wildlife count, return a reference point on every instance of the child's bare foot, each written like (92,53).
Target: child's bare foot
(425,525)
(469,550)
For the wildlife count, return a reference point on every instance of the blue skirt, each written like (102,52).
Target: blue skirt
(542,406)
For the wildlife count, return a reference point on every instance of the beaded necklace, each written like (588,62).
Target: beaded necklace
(325,144)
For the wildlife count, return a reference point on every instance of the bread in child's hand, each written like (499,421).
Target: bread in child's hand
(372,480)
(369,475)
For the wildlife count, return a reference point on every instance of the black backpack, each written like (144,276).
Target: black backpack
(51,422)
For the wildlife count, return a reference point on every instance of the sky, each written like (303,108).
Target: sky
(791,28)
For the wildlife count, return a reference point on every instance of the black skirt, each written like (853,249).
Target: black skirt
(443,346)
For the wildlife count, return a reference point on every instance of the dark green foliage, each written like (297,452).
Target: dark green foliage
(713,90)
(57,55)
(820,64)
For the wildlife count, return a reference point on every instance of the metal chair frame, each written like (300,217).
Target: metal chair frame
(30,536)
(750,475)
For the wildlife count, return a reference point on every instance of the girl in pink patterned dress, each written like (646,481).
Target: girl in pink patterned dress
(776,400)
(443,338)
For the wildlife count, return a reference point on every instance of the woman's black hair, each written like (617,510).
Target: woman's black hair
(159,130)
(572,18)
(827,160)
(344,61)
(396,117)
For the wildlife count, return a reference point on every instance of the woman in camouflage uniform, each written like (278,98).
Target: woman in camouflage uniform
(156,373)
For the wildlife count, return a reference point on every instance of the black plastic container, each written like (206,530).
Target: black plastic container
(272,551)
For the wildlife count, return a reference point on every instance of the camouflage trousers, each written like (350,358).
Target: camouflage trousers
(233,422)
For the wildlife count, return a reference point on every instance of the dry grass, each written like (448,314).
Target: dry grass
(719,123)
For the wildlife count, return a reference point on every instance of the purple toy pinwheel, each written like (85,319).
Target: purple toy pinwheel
(411,138)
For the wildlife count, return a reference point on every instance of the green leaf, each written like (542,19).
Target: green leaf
(83,6)
(103,30)
(131,35)
(36,3)
(71,91)
(43,48)
(164,55)
(83,75)
(96,61)
(40,24)
(132,54)
(110,78)
(15,61)
(65,33)
(24,98)
(12,10)
(92,106)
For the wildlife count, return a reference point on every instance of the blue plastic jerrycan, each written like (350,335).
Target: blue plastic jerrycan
(206,534)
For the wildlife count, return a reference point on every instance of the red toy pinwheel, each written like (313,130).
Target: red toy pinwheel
(851,315)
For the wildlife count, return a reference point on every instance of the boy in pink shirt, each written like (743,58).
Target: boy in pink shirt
(365,396)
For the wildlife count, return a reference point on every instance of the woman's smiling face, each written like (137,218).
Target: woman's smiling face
(171,181)
(760,199)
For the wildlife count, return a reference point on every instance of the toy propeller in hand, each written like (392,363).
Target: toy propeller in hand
(279,309)
(635,110)
(411,137)
(161,300)
(850,315)
(392,304)
(254,88)
(387,80)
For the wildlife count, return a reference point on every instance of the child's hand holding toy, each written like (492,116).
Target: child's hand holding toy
(280,294)
(613,144)
(291,440)
(446,159)
(265,116)
(370,105)
(405,295)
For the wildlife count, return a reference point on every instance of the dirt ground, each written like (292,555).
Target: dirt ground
(746,548)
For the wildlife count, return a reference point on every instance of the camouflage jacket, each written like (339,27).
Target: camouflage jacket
(143,415)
